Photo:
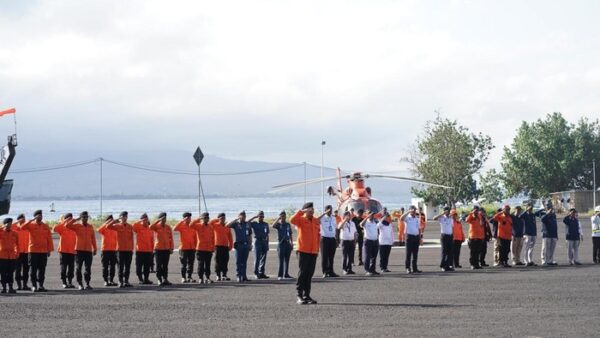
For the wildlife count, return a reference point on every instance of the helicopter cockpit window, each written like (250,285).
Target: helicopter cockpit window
(375,206)
(355,205)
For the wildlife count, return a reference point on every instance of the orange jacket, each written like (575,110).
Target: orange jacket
(144,237)
(9,244)
(401,226)
(187,236)
(109,238)
(223,236)
(68,238)
(205,234)
(476,230)
(164,236)
(457,231)
(40,237)
(504,226)
(308,232)
(124,236)
(23,237)
(86,237)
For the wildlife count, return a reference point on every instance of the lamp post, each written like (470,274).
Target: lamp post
(594,174)
(322,168)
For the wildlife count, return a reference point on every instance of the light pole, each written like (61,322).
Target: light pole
(594,174)
(101,183)
(304,181)
(322,168)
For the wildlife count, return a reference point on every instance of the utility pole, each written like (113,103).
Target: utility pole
(594,174)
(322,183)
(304,181)
(198,157)
(101,183)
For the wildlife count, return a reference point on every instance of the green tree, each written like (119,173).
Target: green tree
(448,154)
(550,155)
(490,186)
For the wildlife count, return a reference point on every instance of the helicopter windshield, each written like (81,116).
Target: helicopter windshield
(371,205)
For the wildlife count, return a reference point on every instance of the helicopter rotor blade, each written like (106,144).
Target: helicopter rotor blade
(301,183)
(408,179)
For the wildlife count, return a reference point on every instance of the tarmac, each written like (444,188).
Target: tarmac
(520,301)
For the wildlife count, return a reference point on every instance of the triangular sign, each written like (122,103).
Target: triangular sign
(198,156)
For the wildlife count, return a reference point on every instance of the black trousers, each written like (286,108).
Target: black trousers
(370,250)
(483,252)
(162,264)
(384,256)
(328,247)
(348,248)
(67,266)
(412,251)
(475,247)
(447,243)
(143,264)
(124,260)
(457,245)
(306,264)
(504,250)
(109,262)
(221,260)
(7,268)
(284,251)
(359,243)
(187,258)
(84,260)
(22,269)
(204,258)
(37,268)
(596,249)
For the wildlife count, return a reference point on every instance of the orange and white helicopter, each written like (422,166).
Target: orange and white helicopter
(356,195)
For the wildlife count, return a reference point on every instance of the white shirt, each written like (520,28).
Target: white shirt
(446,224)
(370,230)
(328,226)
(348,231)
(595,226)
(412,225)
(386,234)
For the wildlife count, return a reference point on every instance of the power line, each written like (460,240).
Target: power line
(54,167)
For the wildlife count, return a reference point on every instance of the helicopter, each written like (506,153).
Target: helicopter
(356,195)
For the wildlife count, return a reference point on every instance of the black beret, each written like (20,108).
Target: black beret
(162,214)
(68,215)
(186,214)
(307,205)
(261,213)
(84,214)
(144,215)
(243,212)
(37,212)
(204,215)
(282,213)
(21,216)
(222,214)
(446,208)
(123,213)
(109,217)
(8,220)
(328,207)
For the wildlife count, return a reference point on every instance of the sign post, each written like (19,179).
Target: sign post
(198,157)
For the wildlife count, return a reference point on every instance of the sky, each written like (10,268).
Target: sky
(268,80)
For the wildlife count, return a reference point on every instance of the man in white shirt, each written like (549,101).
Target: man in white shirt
(328,242)
(348,237)
(596,235)
(446,239)
(413,239)
(371,244)
(386,240)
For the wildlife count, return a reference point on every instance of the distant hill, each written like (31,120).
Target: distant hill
(123,182)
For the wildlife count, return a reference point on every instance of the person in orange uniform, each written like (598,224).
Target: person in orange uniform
(85,249)
(22,264)
(9,251)
(40,248)
(309,228)
(223,244)
(144,249)
(163,248)
(504,220)
(205,246)
(66,250)
(187,247)
(458,237)
(401,226)
(476,237)
(108,254)
(124,248)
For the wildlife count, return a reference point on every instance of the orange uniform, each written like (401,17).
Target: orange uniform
(457,231)
(164,236)
(86,237)
(187,236)
(205,234)
(308,232)
(9,244)
(68,238)
(401,226)
(504,226)
(124,236)
(23,237)
(223,236)
(109,238)
(144,236)
(476,230)
(40,237)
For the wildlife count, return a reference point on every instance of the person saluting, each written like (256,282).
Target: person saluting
(309,228)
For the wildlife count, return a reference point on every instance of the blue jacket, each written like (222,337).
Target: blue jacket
(549,226)
(529,222)
(518,226)
(572,228)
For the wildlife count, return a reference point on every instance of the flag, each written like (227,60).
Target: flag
(8,111)
(322,143)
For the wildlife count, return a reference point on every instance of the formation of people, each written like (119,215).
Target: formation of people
(25,245)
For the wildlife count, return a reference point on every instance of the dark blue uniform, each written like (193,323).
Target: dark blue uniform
(261,246)
(242,231)
(284,248)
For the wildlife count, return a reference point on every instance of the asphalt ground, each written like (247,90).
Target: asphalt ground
(519,301)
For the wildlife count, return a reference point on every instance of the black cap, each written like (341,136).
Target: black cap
(475,207)
(221,214)
(261,213)
(307,205)
(68,215)
(21,216)
(109,217)
(144,215)
(446,208)
(84,214)
(123,214)
(37,213)
(328,207)
(162,214)
(282,213)
(186,214)
(8,220)
(243,212)
(204,215)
